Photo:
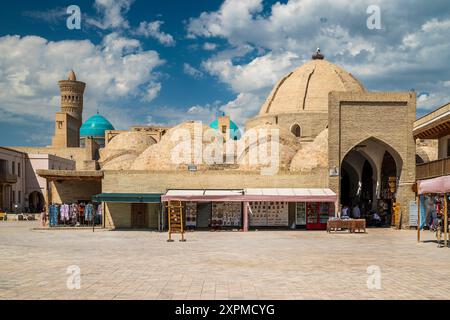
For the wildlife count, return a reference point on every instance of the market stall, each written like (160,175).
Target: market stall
(267,207)
(440,189)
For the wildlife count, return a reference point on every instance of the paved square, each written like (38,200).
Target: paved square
(220,265)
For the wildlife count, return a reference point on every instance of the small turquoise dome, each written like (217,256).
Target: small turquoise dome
(95,126)
(235,133)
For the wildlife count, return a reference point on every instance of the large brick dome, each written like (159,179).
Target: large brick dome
(307,88)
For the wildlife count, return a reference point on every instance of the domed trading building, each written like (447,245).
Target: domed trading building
(319,141)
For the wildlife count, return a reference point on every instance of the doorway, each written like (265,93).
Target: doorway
(36,201)
(204,211)
(139,219)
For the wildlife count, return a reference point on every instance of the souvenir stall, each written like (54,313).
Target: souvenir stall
(433,196)
(268,214)
(214,209)
(268,207)
(81,214)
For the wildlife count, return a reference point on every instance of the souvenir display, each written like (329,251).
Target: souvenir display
(191,214)
(300,213)
(273,213)
(226,214)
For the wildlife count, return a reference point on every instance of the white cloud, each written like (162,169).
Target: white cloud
(113,14)
(115,70)
(410,51)
(246,105)
(260,73)
(191,71)
(209,46)
(153,30)
(152,92)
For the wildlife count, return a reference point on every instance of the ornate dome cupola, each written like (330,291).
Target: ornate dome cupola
(317,55)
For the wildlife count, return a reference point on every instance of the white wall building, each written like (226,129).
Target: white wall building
(20,187)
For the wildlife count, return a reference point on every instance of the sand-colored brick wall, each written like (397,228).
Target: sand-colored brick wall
(160,181)
(71,191)
(387,117)
(117,215)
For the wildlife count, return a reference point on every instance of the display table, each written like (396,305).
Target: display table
(352,225)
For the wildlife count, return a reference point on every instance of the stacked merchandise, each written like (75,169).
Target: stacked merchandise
(191,214)
(226,214)
(311,209)
(275,213)
(324,212)
(300,217)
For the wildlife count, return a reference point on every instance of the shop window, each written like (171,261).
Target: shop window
(296,130)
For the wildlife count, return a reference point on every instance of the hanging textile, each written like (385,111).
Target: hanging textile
(423,214)
(88,212)
(53,215)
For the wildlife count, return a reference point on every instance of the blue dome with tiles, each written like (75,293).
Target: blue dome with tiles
(95,126)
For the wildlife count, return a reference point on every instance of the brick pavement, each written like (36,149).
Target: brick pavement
(220,265)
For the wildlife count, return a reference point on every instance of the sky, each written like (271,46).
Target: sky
(164,62)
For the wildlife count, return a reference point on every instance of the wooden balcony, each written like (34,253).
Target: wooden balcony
(433,169)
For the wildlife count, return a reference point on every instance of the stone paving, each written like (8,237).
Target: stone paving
(220,265)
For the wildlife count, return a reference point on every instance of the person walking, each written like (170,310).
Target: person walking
(43,217)
(356,213)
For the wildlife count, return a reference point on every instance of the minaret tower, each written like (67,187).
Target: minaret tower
(72,96)
(69,120)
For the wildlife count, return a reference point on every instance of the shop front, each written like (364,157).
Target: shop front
(255,208)
(130,210)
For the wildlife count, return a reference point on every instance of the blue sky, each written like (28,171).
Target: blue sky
(164,62)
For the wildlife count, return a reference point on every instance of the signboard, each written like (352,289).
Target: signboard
(413,213)
(334,172)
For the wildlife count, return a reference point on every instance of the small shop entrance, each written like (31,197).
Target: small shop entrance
(139,215)
(204,211)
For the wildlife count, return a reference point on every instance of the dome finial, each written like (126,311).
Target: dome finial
(318,55)
(72,76)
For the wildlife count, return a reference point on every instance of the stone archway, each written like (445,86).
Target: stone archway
(375,162)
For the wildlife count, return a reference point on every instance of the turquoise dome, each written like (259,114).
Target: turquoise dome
(95,126)
(235,133)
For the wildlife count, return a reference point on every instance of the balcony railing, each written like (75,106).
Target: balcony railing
(433,169)
(8,178)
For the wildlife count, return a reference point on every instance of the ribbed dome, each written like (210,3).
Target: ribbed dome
(307,88)
(95,126)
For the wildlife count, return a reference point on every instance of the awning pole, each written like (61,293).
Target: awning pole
(418,218)
(445,220)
